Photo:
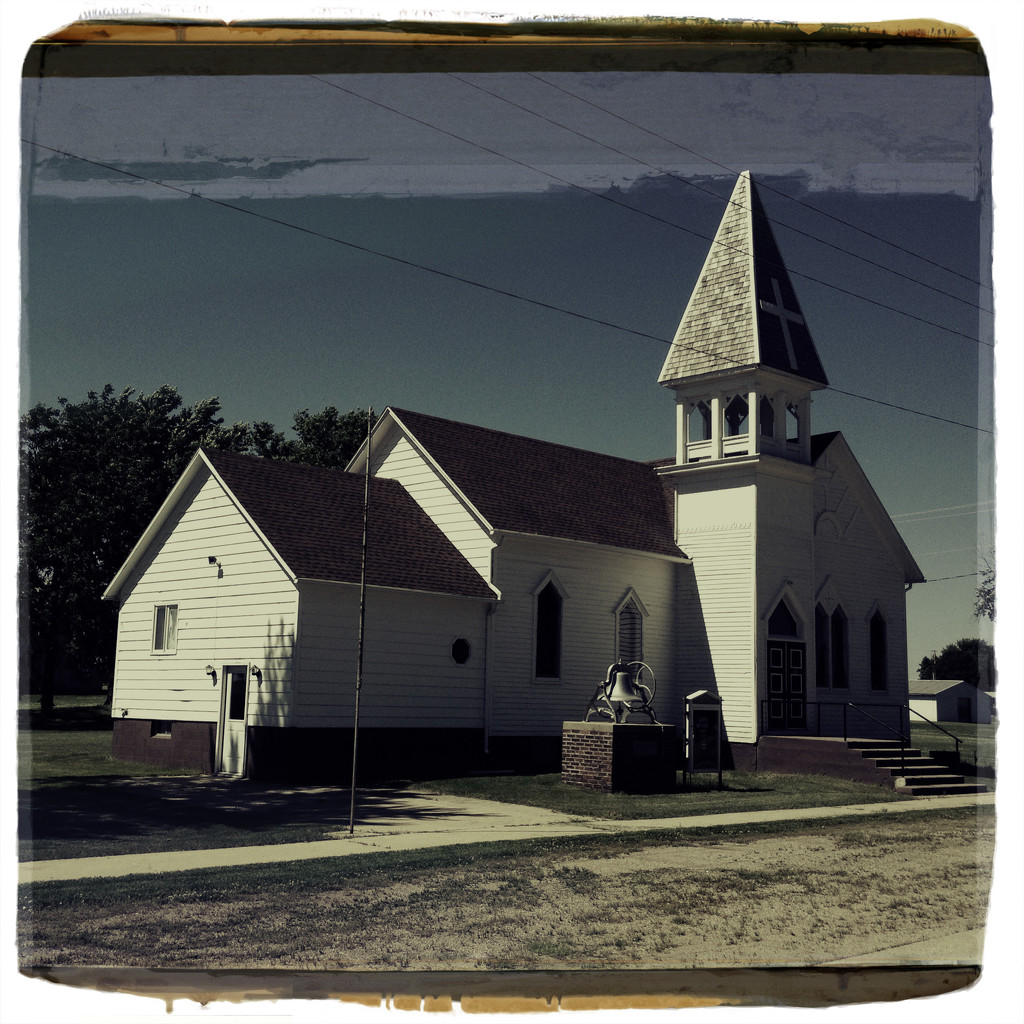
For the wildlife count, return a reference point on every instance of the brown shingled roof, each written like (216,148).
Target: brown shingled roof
(314,519)
(523,485)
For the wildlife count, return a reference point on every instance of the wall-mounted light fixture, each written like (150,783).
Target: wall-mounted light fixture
(124,712)
(212,673)
(214,560)
(258,673)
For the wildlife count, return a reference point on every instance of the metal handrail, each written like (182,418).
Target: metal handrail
(903,737)
(955,739)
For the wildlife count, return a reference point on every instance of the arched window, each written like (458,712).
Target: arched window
(840,649)
(631,633)
(792,422)
(700,423)
(736,415)
(549,633)
(782,622)
(822,645)
(767,418)
(879,642)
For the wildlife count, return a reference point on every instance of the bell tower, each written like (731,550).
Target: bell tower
(743,368)
(742,362)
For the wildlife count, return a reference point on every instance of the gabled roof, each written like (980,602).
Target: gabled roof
(743,311)
(312,518)
(933,687)
(523,485)
(835,444)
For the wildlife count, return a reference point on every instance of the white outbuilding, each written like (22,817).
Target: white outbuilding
(950,700)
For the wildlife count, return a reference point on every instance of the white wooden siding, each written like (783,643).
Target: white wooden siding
(595,581)
(409,677)
(398,460)
(867,576)
(246,616)
(716,529)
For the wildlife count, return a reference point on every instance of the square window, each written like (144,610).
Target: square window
(165,628)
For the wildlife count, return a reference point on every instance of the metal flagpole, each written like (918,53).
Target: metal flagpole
(362,623)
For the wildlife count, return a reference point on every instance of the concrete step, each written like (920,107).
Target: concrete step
(929,780)
(869,744)
(905,764)
(888,752)
(921,769)
(964,788)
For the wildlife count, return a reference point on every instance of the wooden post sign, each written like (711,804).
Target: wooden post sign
(704,733)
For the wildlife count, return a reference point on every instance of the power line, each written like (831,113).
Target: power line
(944,508)
(626,206)
(792,199)
(693,184)
(192,193)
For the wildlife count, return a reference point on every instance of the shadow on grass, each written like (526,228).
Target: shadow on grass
(106,815)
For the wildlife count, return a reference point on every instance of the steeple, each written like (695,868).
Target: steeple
(742,362)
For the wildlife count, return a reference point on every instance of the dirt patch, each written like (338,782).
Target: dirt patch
(830,892)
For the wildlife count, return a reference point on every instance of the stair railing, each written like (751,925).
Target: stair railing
(903,737)
(955,739)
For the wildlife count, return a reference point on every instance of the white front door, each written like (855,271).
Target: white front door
(233,719)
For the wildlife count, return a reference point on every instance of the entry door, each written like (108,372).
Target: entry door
(233,717)
(787,691)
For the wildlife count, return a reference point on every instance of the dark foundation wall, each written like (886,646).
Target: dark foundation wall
(325,755)
(189,744)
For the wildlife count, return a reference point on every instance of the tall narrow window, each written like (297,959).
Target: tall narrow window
(165,628)
(792,422)
(840,658)
(879,652)
(549,633)
(767,418)
(631,633)
(736,415)
(700,423)
(822,662)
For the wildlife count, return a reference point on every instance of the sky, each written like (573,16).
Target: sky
(134,284)
(516,250)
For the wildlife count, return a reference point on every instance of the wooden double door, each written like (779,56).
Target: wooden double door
(787,684)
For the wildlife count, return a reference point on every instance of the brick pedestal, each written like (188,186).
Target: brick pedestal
(626,758)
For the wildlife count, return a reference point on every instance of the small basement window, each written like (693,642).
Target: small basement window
(160,729)
(461,651)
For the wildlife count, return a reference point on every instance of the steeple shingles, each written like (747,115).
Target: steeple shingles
(743,311)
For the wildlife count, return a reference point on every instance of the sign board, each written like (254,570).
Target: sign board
(704,732)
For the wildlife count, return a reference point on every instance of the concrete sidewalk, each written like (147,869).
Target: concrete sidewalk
(422,821)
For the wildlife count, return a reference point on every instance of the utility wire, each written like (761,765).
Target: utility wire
(792,199)
(693,184)
(192,193)
(626,206)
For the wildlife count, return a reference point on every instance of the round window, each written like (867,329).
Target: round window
(460,651)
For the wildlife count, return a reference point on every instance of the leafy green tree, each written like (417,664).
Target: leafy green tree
(985,595)
(93,473)
(329,438)
(969,659)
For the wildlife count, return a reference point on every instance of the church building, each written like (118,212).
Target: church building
(504,574)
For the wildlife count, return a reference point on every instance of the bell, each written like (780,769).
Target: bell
(622,688)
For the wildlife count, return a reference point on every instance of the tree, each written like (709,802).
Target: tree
(93,474)
(985,595)
(329,438)
(969,659)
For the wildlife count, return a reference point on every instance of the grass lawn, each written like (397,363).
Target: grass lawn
(71,745)
(977,742)
(789,889)
(741,791)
